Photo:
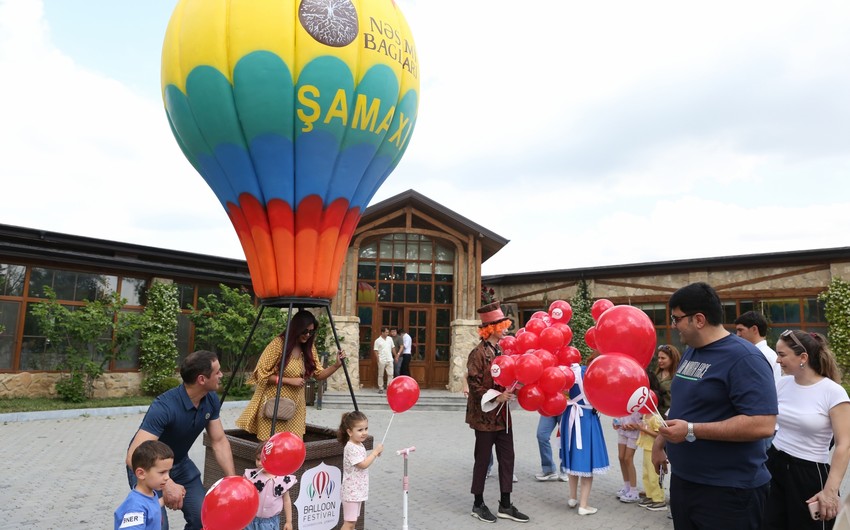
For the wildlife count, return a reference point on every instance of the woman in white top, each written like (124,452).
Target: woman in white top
(813,408)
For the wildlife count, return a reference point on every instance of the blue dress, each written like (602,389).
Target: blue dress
(580,426)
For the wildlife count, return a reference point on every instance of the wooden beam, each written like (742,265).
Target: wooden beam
(779,276)
(539,291)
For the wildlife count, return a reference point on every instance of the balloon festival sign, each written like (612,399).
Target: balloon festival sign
(319,500)
(294,113)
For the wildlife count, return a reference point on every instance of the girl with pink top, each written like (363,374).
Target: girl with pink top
(353,431)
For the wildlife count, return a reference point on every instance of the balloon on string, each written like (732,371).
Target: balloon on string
(552,380)
(536,325)
(590,337)
(570,375)
(519,332)
(560,311)
(546,357)
(528,369)
(551,338)
(571,356)
(283,454)
(599,307)
(503,370)
(553,404)
(508,345)
(565,330)
(530,397)
(626,330)
(230,504)
(527,341)
(616,385)
(402,393)
(651,404)
(543,315)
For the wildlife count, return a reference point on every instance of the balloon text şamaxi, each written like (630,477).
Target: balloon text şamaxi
(294,114)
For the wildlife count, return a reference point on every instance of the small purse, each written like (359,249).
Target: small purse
(285,409)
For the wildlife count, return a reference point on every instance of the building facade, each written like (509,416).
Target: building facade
(412,264)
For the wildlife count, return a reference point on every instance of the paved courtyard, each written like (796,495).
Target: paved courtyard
(68,474)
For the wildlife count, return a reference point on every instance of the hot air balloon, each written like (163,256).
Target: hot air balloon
(294,112)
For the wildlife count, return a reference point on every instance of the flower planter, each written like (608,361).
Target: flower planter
(322,447)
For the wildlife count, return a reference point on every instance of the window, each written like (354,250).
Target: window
(8,331)
(12,279)
(71,285)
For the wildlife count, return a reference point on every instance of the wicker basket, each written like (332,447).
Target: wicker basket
(321,445)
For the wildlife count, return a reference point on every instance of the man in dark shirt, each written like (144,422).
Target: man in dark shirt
(176,417)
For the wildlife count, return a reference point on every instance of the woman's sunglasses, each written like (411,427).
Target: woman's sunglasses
(308,332)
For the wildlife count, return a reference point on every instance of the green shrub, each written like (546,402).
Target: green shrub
(836,301)
(158,386)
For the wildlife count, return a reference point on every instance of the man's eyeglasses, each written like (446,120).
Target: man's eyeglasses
(308,332)
(675,319)
(789,333)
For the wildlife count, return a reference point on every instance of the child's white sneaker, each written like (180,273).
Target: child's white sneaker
(630,497)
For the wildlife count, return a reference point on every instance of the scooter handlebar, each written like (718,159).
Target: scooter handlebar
(406,451)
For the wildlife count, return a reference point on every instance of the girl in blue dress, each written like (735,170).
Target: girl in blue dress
(583,449)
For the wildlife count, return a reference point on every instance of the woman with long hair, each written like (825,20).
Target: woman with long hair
(814,409)
(666,365)
(300,362)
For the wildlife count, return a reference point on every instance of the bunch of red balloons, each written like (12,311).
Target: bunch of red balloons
(538,358)
(616,383)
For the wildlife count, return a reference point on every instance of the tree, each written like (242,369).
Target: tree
(223,321)
(87,338)
(582,319)
(836,301)
(158,338)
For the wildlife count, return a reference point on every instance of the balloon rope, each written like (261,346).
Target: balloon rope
(388,429)
(654,409)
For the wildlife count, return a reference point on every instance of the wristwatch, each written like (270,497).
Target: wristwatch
(690,437)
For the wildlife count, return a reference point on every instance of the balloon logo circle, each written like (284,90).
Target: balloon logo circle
(637,399)
(335,26)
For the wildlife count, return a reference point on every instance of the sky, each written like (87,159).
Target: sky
(586,133)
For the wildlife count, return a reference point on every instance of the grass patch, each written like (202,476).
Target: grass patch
(37,404)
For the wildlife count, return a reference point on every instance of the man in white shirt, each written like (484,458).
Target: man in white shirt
(383,350)
(407,344)
(752,326)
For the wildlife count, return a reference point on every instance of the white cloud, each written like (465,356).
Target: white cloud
(586,133)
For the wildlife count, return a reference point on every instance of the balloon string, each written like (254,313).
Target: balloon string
(388,428)
(509,389)
(654,409)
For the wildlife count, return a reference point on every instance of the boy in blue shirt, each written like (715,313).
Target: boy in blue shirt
(142,509)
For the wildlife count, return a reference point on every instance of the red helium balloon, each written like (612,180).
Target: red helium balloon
(551,339)
(616,385)
(572,356)
(402,393)
(519,332)
(599,307)
(283,454)
(536,325)
(508,345)
(571,377)
(560,311)
(503,370)
(590,337)
(546,357)
(527,341)
(530,397)
(542,315)
(565,330)
(553,404)
(650,408)
(230,504)
(528,369)
(626,330)
(552,380)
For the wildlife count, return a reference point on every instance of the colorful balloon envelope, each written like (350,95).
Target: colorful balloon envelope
(294,113)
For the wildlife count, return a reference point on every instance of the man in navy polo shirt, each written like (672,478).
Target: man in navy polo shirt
(176,417)
(723,406)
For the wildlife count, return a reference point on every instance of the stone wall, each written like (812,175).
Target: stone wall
(43,384)
(464,339)
(348,331)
